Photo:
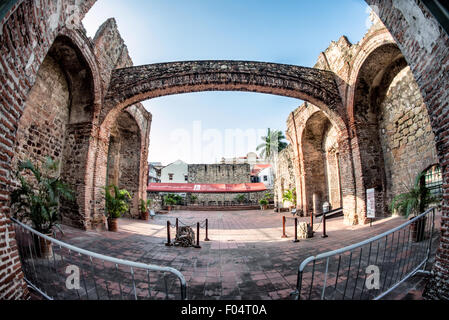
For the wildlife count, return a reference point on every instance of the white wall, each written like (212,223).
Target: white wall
(270,179)
(179,171)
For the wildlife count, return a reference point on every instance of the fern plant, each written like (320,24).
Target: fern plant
(116,202)
(240,198)
(416,200)
(290,196)
(39,200)
(144,205)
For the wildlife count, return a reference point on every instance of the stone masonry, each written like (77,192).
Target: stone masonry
(353,86)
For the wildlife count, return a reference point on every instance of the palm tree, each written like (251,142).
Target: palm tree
(273,143)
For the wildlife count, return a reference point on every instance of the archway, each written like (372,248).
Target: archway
(390,124)
(124,157)
(319,146)
(58,121)
(132,85)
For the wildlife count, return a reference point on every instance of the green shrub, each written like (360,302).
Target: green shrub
(240,198)
(417,199)
(290,196)
(116,202)
(144,205)
(39,200)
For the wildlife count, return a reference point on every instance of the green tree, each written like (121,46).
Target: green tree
(273,143)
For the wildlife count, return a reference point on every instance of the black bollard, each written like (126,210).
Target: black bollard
(168,244)
(207,230)
(197,236)
(324,226)
(296,230)
(177,227)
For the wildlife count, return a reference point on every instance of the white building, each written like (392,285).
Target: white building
(266,176)
(263,173)
(154,172)
(251,158)
(176,172)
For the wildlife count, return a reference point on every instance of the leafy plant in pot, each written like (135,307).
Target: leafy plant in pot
(240,198)
(290,197)
(38,201)
(144,206)
(116,205)
(412,203)
(263,203)
(170,201)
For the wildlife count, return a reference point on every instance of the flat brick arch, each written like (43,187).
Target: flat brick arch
(135,84)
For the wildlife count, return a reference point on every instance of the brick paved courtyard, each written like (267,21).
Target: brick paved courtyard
(245,259)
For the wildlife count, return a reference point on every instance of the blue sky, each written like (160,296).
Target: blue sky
(291,32)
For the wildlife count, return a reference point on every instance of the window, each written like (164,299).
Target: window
(265,178)
(186,177)
(433,180)
(170,176)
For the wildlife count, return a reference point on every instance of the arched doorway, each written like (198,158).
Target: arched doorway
(58,121)
(320,163)
(124,158)
(390,122)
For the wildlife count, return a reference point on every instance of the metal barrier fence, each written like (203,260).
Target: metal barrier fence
(369,269)
(61,271)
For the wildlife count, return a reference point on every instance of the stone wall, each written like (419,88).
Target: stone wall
(406,135)
(22,52)
(219,173)
(42,127)
(285,175)
(212,199)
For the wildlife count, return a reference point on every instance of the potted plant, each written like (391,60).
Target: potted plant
(412,203)
(38,201)
(169,201)
(116,205)
(240,198)
(193,199)
(144,206)
(290,196)
(263,204)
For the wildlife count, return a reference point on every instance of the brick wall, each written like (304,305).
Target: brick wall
(406,137)
(21,55)
(426,48)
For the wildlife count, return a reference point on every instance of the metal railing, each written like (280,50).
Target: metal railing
(60,271)
(369,269)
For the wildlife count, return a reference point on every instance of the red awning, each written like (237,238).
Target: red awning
(205,187)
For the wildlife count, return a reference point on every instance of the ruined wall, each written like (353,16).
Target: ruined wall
(285,175)
(26,34)
(405,133)
(314,161)
(219,173)
(332,167)
(41,130)
(127,158)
